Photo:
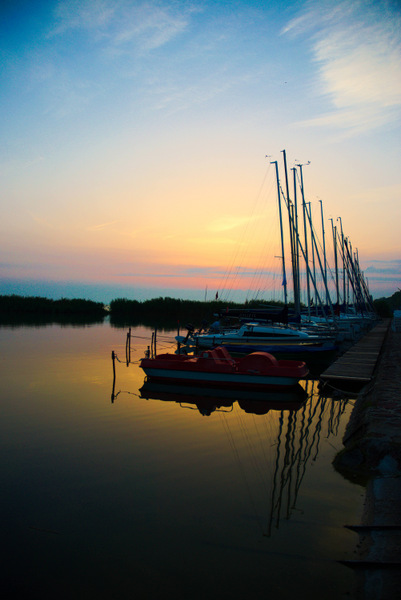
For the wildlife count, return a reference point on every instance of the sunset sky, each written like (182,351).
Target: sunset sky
(137,137)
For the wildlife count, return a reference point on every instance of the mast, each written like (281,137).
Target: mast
(306,239)
(290,208)
(296,247)
(353,277)
(334,230)
(364,285)
(312,278)
(324,250)
(343,253)
(314,247)
(309,214)
(281,234)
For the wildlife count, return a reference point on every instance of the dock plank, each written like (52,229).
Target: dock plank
(359,362)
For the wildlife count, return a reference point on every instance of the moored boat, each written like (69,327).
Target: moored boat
(255,333)
(258,370)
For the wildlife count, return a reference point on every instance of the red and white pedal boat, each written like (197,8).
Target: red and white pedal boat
(216,367)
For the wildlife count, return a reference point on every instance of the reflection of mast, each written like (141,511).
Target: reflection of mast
(302,437)
(286,470)
(277,462)
(297,443)
(286,473)
(334,421)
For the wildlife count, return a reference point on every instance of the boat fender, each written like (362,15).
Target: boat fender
(257,362)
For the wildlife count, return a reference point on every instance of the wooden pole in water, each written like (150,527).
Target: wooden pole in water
(113,357)
(128,347)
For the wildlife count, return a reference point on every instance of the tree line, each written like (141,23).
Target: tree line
(163,310)
(122,312)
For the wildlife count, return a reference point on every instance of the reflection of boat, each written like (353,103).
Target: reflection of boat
(209,399)
(216,367)
(273,450)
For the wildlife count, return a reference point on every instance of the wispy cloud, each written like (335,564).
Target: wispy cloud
(82,14)
(384,277)
(173,271)
(357,47)
(184,271)
(228,222)
(21,163)
(121,23)
(101,226)
(42,222)
(384,268)
(151,25)
(114,32)
(178,95)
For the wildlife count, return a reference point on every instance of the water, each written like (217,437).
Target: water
(149,497)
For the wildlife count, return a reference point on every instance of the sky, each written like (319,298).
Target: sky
(139,141)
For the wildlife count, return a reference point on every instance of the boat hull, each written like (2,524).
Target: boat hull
(299,349)
(217,368)
(221,379)
(254,335)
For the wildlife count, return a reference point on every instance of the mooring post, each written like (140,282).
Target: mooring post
(128,347)
(113,358)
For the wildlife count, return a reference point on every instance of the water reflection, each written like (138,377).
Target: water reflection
(288,436)
(298,443)
(149,496)
(208,400)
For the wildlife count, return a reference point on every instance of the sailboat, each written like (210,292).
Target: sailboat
(257,337)
(275,338)
(325,323)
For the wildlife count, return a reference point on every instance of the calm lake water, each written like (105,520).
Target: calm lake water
(139,494)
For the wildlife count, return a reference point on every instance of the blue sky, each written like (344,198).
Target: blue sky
(135,134)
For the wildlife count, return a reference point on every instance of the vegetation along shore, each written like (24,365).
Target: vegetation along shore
(154,312)
(134,310)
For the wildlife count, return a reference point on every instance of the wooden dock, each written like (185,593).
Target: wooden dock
(357,365)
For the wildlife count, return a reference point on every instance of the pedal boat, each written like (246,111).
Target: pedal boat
(258,370)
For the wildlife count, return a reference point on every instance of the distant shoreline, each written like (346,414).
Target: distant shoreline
(164,310)
(172,311)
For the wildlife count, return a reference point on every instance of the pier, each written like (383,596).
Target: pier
(357,365)
(372,455)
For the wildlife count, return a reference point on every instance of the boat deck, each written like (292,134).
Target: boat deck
(357,365)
